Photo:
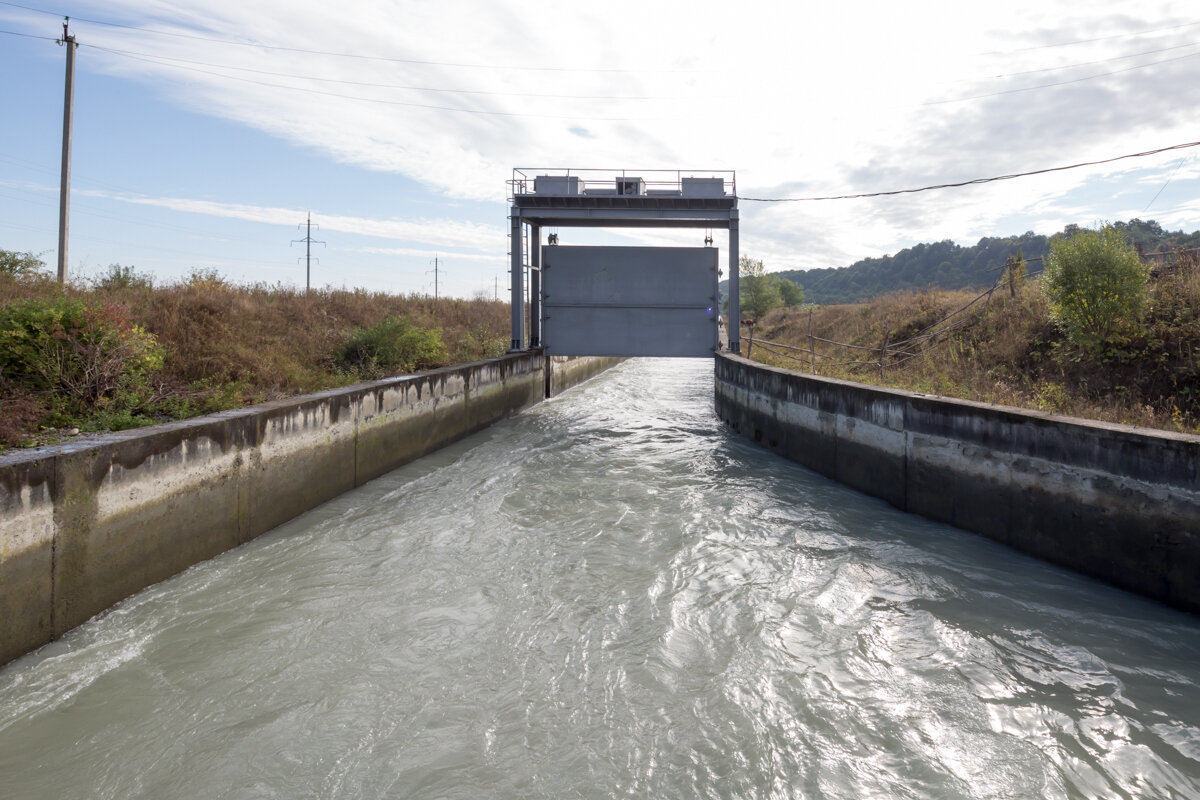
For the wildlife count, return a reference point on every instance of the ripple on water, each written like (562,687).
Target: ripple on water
(612,595)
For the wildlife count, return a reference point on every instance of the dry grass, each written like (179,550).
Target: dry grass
(228,345)
(283,341)
(1011,353)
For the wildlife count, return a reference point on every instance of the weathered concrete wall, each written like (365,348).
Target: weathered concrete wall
(567,371)
(86,524)
(1117,503)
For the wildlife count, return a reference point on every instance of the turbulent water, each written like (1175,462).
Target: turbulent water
(612,596)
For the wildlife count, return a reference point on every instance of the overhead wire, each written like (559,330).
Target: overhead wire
(1092,41)
(1164,186)
(337,54)
(30,36)
(1078,64)
(167,62)
(972,182)
(431,106)
(1057,83)
(549,96)
(172,61)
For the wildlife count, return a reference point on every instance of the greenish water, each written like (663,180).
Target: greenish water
(612,596)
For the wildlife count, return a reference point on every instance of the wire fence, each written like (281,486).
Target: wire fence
(900,352)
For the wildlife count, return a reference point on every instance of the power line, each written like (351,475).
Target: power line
(1091,63)
(972,182)
(1164,186)
(170,60)
(340,96)
(166,61)
(335,54)
(30,36)
(1058,83)
(1097,39)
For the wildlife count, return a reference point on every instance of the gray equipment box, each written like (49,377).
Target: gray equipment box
(558,185)
(703,187)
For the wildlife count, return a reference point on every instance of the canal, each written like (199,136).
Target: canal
(612,595)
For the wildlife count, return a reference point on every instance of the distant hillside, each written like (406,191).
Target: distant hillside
(946,265)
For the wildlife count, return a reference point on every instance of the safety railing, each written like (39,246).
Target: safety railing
(656,182)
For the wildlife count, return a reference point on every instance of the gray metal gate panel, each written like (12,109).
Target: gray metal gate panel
(629,301)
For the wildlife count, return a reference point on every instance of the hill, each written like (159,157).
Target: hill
(947,265)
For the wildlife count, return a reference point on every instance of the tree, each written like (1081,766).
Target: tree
(791,292)
(20,264)
(1095,284)
(759,294)
(762,291)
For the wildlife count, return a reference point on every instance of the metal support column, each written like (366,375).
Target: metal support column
(735,297)
(535,285)
(518,293)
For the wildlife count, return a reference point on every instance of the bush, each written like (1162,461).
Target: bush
(21,412)
(119,278)
(391,347)
(207,278)
(81,354)
(1095,284)
(480,343)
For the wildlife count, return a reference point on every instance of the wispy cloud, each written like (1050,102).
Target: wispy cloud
(442,232)
(428,253)
(799,98)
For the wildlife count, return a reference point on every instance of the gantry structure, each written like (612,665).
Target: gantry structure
(544,200)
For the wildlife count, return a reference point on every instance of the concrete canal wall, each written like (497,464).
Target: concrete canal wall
(568,371)
(1118,503)
(86,524)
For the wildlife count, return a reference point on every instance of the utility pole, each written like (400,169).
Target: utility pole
(308,243)
(496,288)
(435,277)
(64,188)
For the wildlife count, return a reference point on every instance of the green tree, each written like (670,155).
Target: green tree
(759,294)
(791,292)
(20,264)
(1095,284)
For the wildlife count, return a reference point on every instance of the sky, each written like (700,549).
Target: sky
(205,134)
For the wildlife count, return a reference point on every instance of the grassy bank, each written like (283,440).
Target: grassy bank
(1007,350)
(119,352)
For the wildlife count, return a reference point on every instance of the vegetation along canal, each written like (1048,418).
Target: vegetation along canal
(611,595)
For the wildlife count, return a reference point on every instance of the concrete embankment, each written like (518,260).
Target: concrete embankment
(86,524)
(1118,503)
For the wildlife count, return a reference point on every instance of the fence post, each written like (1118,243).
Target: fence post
(750,344)
(812,354)
(887,336)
